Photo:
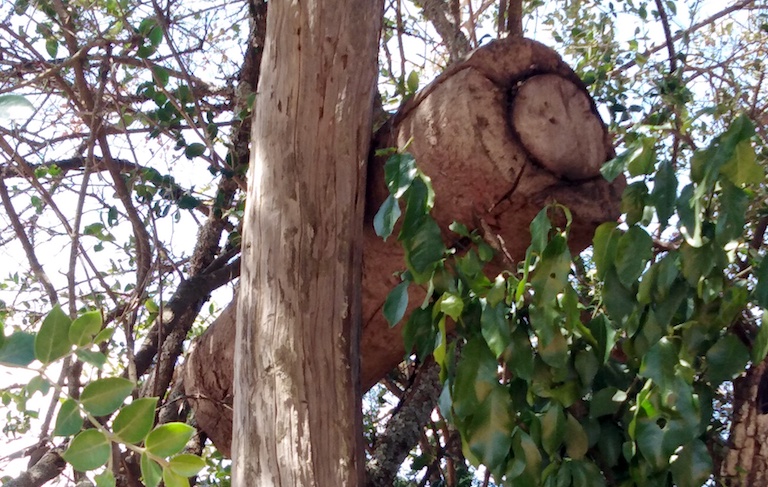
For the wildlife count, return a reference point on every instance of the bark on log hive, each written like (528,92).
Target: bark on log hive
(501,134)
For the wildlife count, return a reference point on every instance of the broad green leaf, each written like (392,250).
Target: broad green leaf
(68,421)
(634,201)
(619,301)
(526,452)
(93,357)
(609,443)
(726,359)
(650,442)
(641,158)
(586,474)
(613,168)
(103,335)
(689,214)
(450,304)
(419,333)
(540,228)
(760,347)
(732,215)
(186,465)
(495,327)
(576,441)
(664,192)
(396,303)
(385,219)
(151,472)
(521,354)
(424,250)
(105,479)
(52,341)
(15,107)
(490,433)
(18,350)
(555,350)
(659,363)
(604,249)
(586,365)
(52,47)
(88,451)
(172,479)
(168,439)
(160,74)
(552,270)
(399,172)
(605,334)
(104,396)
(38,384)
(416,209)
(193,150)
(412,82)
(85,328)
(696,262)
(742,168)
(553,427)
(134,421)
(606,401)
(761,289)
(633,251)
(692,465)
(476,377)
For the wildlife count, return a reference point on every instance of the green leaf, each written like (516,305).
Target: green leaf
(619,301)
(424,250)
(399,172)
(495,326)
(633,201)
(761,289)
(659,363)
(92,357)
(664,192)
(151,472)
(193,150)
(552,271)
(68,421)
(525,452)
(476,377)
(172,479)
(104,396)
(554,351)
(731,218)
(18,350)
(161,77)
(633,251)
(693,465)
(726,359)
(419,333)
(396,303)
(134,421)
(85,328)
(412,83)
(168,439)
(490,432)
(606,401)
(760,347)
(604,247)
(521,354)
(15,107)
(576,441)
(650,442)
(613,168)
(105,479)
(641,158)
(450,304)
(553,427)
(88,451)
(52,341)
(416,208)
(540,228)
(186,465)
(742,168)
(52,47)
(385,219)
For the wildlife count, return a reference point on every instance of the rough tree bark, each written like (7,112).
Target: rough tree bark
(297,395)
(501,134)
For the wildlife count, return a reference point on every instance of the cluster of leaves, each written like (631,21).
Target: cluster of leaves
(86,417)
(553,383)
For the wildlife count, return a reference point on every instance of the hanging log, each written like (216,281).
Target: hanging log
(501,134)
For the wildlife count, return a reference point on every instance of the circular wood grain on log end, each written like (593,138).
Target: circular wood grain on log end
(555,121)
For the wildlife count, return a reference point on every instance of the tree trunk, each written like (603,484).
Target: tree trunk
(501,134)
(746,460)
(297,412)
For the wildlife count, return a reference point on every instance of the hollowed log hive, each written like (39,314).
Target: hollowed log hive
(501,134)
